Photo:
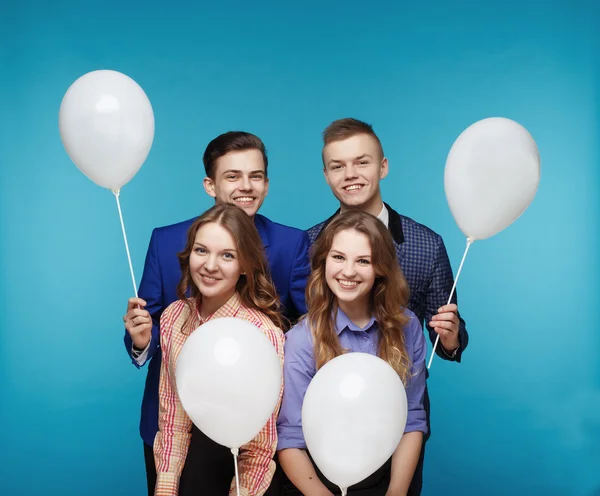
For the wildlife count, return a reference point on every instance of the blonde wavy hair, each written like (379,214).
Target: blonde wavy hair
(389,295)
(255,287)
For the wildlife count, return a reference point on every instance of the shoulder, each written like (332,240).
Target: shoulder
(174,312)
(280,229)
(413,229)
(173,229)
(259,319)
(413,331)
(298,340)
(314,231)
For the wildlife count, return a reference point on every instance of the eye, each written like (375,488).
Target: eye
(364,261)
(228,256)
(231,177)
(336,167)
(200,250)
(337,257)
(257,177)
(364,162)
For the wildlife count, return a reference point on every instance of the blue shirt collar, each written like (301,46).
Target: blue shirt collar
(342,322)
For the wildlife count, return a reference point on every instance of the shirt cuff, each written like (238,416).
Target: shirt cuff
(167,484)
(290,437)
(141,356)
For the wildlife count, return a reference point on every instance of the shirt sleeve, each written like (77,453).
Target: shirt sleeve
(173,438)
(437,296)
(415,388)
(298,371)
(255,461)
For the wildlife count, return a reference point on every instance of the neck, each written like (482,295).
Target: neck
(357,311)
(373,206)
(208,306)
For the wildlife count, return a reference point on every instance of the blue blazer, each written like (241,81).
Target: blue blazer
(287,253)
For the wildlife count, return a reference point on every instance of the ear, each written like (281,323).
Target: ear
(209,187)
(384,168)
(266,186)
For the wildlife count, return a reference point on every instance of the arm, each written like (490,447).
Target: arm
(406,456)
(255,462)
(298,370)
(151,291)
(174,434)
(299,274)
(301,472)
(437,297)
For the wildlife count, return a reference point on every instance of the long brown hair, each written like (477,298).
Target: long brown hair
(388,299)
(255,287)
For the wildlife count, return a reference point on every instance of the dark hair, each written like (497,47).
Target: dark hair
(346,128)
(232,141)
(389,295)
(255,288)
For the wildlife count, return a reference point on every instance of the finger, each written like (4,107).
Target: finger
(451,317)
(137,312)
(448,308)
(444,325)
(135,303)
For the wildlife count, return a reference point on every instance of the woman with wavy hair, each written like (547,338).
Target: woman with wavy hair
(224,274)
(356,298)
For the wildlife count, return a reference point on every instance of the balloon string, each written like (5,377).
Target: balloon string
(469,243)
(344,491)
(116,193)
(236,452)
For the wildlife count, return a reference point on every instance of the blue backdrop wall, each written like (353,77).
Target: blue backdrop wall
(520,415)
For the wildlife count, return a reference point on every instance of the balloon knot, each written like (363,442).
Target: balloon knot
(116,191)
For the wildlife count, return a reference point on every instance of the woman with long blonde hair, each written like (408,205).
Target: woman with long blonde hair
(356,298)
(224,274)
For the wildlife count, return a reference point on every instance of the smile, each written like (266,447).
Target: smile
(244,199)
(208,279)
(347,284)
(353,187)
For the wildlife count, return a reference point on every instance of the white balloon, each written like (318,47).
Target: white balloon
(106,125)
(353,417)
(228,378)
(492,175)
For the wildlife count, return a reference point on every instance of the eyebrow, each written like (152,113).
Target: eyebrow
(360,157)
(342,253)
(204,246)
(237,171)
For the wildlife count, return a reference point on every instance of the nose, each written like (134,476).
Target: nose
(349,270)
(246,184)
(350,172)
(211,263)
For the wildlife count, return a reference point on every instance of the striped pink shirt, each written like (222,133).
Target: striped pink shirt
(255,462)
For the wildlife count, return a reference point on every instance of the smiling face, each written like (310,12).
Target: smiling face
(349,270)
(353,168)
(214,264)
(239,178)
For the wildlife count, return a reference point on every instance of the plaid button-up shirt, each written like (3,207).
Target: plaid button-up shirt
(255,462)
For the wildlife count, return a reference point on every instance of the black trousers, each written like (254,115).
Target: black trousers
(150,468)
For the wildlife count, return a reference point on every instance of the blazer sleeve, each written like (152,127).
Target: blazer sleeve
(151,291)
(437,296)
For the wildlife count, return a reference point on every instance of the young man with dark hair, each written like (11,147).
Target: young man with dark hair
(353,165)
(236,172)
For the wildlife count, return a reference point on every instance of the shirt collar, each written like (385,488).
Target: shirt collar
(229,309)
(384,215)
(342,322)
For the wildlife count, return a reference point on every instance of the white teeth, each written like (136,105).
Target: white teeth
(210,279)
(348,284)
(244,199)
(353,187)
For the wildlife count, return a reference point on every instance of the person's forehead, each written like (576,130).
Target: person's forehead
(246,160)
(352,147)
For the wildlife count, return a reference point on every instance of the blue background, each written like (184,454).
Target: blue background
(520,415)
